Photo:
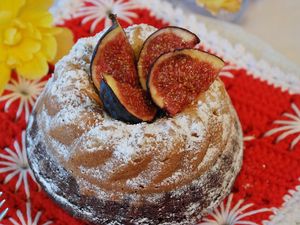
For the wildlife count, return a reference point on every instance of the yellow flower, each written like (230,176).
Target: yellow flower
(214,6)
(28,40)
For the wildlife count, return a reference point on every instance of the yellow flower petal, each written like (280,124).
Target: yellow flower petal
(29,45)
(232,5)
(32,31)
(12,61)
(19,23)
(11,6)
(12,36)
(3,53)
(43,5)
(27,37)
(214,6)
(49,47)
(35,68)
(23,51)
(38,18)
(4,77)
(65,41)
(5,18)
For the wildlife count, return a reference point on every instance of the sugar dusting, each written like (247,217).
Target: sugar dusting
(68,87)
(146,30)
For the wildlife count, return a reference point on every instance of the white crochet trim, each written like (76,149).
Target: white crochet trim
(64,10)
(288,214)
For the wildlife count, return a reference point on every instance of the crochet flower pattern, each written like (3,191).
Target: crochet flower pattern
(99,10)
(24,90)
(29,219)
(3,212)
(290,126)
(232,215)
(15,163)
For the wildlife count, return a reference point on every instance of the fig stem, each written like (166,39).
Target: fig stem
(113,18)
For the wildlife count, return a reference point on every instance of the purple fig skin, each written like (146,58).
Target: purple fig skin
(115,25)
(113,106)
(118,103)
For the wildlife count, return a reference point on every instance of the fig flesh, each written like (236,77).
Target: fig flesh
(125,102)
(163,41)
(177,78)
(113,55)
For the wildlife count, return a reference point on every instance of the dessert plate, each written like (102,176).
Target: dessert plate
(265,95)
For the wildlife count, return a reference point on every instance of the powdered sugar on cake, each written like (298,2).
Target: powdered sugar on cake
(146,30)
(73,124)
(127,141)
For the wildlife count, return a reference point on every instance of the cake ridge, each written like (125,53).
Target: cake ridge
(123,138)
(75,128)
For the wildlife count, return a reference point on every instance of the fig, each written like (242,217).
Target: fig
(114,73)
(177,78)
(126,102)
(113,55)
(163,41)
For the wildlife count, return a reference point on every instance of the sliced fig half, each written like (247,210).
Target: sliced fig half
(113,55)
(162,41)
(177,78)
(125,102)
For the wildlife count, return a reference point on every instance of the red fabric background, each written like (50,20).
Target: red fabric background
(269,169)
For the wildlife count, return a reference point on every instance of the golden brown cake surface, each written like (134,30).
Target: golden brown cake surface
(132,164)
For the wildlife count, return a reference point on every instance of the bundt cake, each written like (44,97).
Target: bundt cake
(172,170)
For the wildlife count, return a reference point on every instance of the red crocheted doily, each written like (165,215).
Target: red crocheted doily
(270,167)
